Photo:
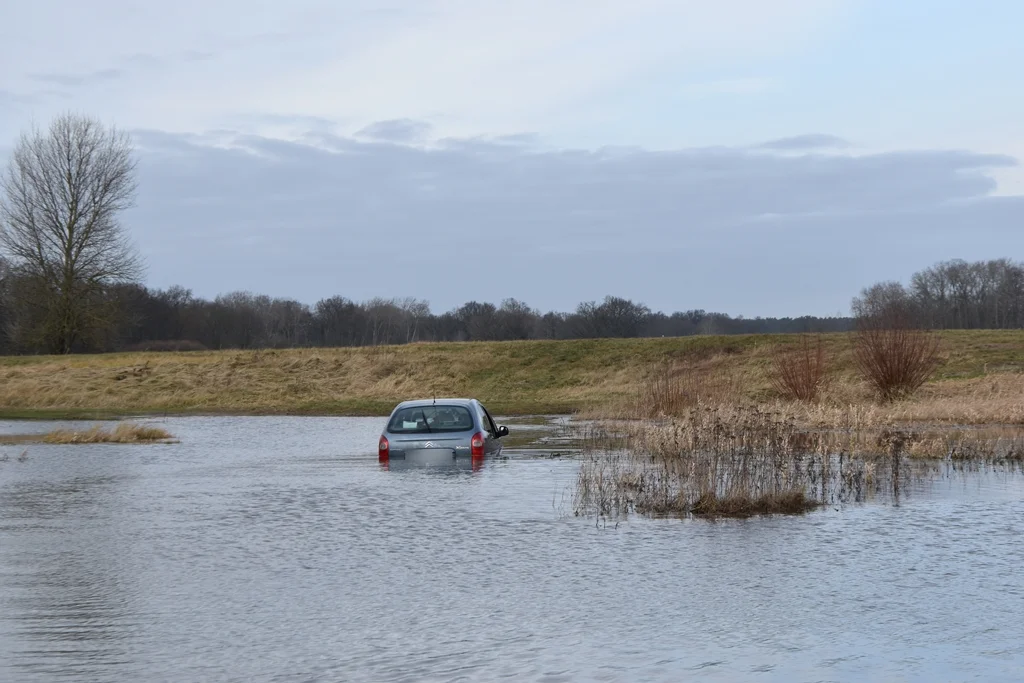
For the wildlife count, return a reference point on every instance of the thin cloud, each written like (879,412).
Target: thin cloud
(76,80)
(197,55)
(810,141)
(396,130)
(143,60)
(12,98)
(311,124)
(733,86)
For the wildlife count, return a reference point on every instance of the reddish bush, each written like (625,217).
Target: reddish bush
(801,373)
(895,355)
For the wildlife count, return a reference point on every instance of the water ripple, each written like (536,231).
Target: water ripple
(276,549)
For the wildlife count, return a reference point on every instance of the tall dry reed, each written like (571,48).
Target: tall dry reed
(746,460)
(672,389)
(723,460)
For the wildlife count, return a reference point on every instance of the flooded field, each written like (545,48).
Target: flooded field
(278,549)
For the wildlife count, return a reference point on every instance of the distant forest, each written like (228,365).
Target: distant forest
(952,294)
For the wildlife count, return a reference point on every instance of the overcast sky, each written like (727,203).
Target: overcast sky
(756,158)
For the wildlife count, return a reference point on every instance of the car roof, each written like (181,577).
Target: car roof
(466,402)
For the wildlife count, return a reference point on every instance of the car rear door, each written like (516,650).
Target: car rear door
(493,446)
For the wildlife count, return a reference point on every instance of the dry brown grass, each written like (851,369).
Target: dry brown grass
(674,388)
(993,399)
(123,433)
(996,399)
(597,377)
(848,434)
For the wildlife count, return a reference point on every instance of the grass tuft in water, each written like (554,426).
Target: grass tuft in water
(741,505)
(123,433)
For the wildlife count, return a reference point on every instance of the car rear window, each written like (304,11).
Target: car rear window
(431,419)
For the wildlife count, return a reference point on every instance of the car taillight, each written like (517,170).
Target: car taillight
(383,448)
(476,446)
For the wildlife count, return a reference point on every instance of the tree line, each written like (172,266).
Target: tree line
(175,319)
(70,281)
(953,294)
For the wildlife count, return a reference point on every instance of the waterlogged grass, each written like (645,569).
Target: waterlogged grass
(981,378)
(741,505)
(741,461)
(122,433)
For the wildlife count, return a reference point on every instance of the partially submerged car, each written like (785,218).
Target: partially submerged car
(440,430)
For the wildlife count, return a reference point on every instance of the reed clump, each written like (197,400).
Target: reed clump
(853,431)
(123,433)
(714,460)
(745,460)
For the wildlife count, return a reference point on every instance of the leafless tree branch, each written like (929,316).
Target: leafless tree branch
(60,198)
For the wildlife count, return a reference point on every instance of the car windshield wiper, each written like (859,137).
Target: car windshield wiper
(425,423)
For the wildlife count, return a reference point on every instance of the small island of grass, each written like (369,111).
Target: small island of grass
(125,433)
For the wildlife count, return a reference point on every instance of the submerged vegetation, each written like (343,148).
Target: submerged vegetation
(739,461)
(123,433)
(731,461)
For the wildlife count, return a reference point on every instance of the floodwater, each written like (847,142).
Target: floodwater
(278,550)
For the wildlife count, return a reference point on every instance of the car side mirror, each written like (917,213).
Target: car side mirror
(502,431)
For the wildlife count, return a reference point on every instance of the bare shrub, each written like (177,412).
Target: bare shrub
(895,355)
(800,374)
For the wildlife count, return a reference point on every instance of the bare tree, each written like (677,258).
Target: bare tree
(415,313)
(884,299)
(5,308)
(61,195)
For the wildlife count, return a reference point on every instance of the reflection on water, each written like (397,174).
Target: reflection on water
(450,465)
(279,550)
(64,593)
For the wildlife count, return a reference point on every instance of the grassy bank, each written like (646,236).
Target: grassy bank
(981,379)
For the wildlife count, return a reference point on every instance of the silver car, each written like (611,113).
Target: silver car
(440,430)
